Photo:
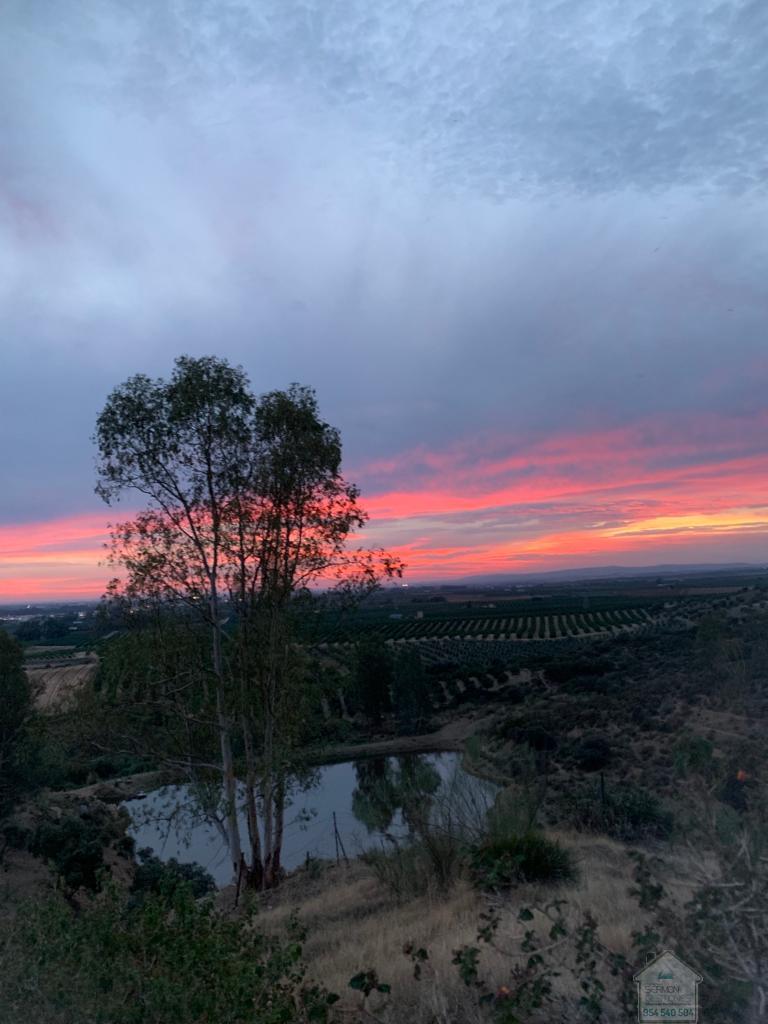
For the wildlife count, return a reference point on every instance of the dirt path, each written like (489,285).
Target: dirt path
(451,736)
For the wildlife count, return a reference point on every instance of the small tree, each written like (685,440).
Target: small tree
(373,679)
(410,692)
(246,509)
(16,704)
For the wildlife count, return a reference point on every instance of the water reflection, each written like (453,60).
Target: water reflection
(387,785)
(374,800)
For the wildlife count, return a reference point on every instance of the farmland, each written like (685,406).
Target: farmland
(535,626)
(55,677)
(590,612)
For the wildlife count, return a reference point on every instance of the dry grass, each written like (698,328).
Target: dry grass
(354,925)
(54,684)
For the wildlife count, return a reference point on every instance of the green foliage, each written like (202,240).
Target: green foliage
(368,982)
(621,810)
(373,679)
(723,927)
(532,970)
(501,863)
(565,670)
(588,950)
(540,730)
(410,693)
(592,753)
(164,877)
(418,958)
(18,753)
(466,960)
(75,848)
(167,959)
(245,508)
(694,755)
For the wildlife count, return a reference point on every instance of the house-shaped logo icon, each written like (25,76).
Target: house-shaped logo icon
(667,989)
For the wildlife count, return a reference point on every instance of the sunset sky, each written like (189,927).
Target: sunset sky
(520,250)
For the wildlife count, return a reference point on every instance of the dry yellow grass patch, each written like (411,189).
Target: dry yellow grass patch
(355,925)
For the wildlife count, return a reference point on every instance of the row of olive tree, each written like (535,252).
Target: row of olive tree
(246,508)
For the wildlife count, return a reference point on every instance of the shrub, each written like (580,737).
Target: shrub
(565,670)
(334,730)
(592,753)
(695,754)
(589,684)
(18,753)
(408,870)
(634,813)
(410,693)
(154,876)
(623,811)
(530,857)
(536,736)
(166,958)
(75,848)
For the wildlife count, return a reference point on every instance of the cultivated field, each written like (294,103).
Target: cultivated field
(53,682)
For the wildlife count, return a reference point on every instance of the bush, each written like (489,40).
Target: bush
(589,684)
(530,857)
(154,876)
(536,736)
(592,753)
(634,813)
(338,730)
(166,958)
(624,811)
(413,869)
(410,693)
(695,754)
(18,753)
(538,729)
(565,670)
(75,848)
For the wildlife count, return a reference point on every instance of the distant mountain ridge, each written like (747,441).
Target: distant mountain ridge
(608,572)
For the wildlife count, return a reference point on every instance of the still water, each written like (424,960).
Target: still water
(374,801)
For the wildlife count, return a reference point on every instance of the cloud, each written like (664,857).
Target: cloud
(490,97)
(480,231)
(569,501)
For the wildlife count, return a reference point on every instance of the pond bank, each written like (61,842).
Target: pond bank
(452,737)
(340,811)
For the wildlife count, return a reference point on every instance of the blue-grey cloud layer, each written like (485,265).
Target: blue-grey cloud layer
(449,217)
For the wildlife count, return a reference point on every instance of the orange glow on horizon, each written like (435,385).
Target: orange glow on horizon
(630,496)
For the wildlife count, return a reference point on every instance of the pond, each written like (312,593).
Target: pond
(375,802)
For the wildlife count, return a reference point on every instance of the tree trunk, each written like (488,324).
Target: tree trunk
(225,739)
(230,786)
(267,800)
(278,838)
(256,869)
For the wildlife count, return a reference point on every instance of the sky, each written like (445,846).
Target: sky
(519,249)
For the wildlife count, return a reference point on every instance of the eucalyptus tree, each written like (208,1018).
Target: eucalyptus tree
(16,701)
(245,509)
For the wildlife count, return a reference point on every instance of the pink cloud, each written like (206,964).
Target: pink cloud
(694,488)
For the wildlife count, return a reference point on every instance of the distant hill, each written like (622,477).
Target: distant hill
(604,572)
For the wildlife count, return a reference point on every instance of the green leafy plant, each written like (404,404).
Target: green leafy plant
(531,857)
(75,847)
(155,876)
(168,959)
